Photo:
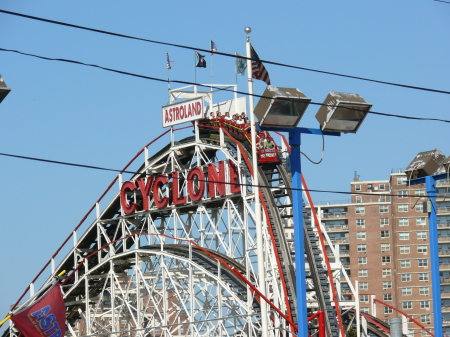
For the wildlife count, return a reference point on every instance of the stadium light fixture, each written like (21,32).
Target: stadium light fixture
(4,90)
(342,112)
(281,107)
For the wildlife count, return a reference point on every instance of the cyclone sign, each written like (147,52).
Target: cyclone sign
(186,111)
(179,188)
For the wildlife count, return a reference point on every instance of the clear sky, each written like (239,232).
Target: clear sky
(73,113)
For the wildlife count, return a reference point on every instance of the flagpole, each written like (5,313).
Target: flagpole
(195,73)
(258,222)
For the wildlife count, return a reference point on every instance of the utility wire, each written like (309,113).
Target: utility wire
(220,182)
(202,85)
(220,53)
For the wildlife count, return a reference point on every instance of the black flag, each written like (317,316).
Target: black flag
(200,60)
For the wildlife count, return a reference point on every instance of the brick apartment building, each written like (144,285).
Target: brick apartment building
(383,241)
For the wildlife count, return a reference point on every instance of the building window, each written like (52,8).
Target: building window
(405,263)
(360,223)
(388,310)
(421,222)
(387,285)
(403,222)
(363,273)
(423,262)
(359,199)
(419,193)
(385,234)
(364,298)
(424,304)
(362,260)
(423,277)
(406,277)
(387,297)
(422,235)
(407,305)
(424,291)
(402,194)
(385,247)
(365,310)
(404,249)
(386,259)
(425,318)
(362,248)
(382,198)
(363,285)
(422,249)
(361,235)
(360,210)
(384,221)
(382,186)
(402,207)
(384,208)
(385,272)
(406,291)
(419,207)
(401,180)
(403,236)
(357,187)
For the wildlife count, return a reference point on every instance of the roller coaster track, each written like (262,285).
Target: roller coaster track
(122,268)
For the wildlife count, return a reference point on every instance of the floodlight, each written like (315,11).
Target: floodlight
(281,107)
(425,163)
(4,90)
(342,112)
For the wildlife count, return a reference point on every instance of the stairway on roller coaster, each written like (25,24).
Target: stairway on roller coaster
(191,269)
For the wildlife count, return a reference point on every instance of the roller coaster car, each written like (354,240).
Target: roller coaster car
(265,156)
(268,156)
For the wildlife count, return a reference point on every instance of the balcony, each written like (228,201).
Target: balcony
(443,238)
(444,253)
(443,225)
(444,265)
(343,228)
(445,308)
(445,294)
(344,253)
(445,280)
(443,182)
(340,215)
(443,210)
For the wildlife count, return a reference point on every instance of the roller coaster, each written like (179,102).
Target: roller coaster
(188,267)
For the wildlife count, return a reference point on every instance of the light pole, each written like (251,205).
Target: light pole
(430,185)
(280,109)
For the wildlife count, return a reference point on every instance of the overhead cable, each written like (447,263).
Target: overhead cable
(165,175)
(198,84)
(221,53)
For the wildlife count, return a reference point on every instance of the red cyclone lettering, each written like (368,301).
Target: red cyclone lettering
(200,181)
(234,178)
(145,191)
(177,197)
(127,208)
(158,183)
(214,180)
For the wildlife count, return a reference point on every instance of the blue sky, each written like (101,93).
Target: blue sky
(78,114)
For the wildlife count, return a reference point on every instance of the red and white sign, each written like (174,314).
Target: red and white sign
(176,188)
(186,111)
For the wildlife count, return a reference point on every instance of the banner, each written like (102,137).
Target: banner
(44,318)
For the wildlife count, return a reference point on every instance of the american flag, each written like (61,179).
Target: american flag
(259,72)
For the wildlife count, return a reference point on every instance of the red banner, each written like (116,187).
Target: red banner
(44,318)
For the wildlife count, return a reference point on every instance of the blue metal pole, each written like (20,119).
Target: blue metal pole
(299,236)
(434,256)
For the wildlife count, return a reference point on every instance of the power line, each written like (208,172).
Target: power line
(198,84)
(165,175)
(221,53)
